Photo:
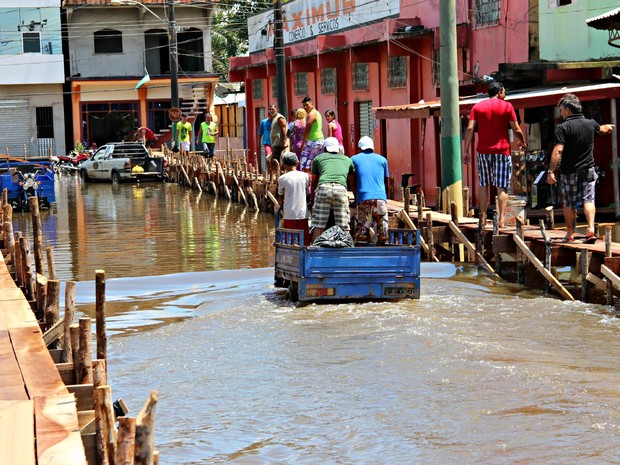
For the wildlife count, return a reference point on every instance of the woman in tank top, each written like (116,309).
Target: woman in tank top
(334,128)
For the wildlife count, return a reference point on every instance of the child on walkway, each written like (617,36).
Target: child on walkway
(292,189)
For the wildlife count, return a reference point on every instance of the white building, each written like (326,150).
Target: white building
(31,78)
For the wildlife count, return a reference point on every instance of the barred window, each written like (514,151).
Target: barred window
(397,74)
(301,84)
(360,76)
(257,89)
(328,81)
(487,12)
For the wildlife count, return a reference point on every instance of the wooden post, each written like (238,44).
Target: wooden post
(405,218)
(125,441)
(406,199)
(584,261)
(74,332)
(51,265)
(498,256)
(102,338)
(104,419)
(9,237)
(420,209)
(609,294)
(431,239)
(67,354)
(52,313)
(145,432)
(85,352)
(455,219)
(550,217)
(520,258)
(41,289)
(28,274)
(465,201)
(100,376)
(438,201)
(37,231)
(547,240)
(482,220)
(17,260)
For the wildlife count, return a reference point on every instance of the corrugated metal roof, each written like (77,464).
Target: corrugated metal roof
(606,21)
(67,3)
(525,98)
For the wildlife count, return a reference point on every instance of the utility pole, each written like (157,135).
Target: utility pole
(174,64)
(451,173)
(278,46)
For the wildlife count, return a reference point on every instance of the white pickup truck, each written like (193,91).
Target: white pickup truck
(115,161)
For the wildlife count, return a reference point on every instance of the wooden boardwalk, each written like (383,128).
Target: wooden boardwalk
(494,249)
(55,405)
(37,408)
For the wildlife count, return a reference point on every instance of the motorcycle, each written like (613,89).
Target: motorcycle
(71,162)
(29,188)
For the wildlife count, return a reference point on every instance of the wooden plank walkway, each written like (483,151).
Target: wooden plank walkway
(36,406)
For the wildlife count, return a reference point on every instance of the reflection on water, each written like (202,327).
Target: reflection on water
(149,229)
(475,372)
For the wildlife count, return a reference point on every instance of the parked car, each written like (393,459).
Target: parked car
(121,161)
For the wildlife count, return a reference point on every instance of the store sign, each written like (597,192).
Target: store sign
(307,19)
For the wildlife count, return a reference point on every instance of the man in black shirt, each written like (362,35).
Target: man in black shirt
(574,145)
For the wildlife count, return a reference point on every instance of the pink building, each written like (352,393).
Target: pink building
(351,56)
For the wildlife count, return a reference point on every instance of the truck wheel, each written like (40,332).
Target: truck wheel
(84,175)
(278,281)
(116,178)
(293,291)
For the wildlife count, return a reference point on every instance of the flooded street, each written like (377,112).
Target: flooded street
(476,372)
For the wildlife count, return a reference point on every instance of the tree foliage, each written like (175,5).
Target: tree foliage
(229,33)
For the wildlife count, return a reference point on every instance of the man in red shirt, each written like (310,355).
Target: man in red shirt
(493,117)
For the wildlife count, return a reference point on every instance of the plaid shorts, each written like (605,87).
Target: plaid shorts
(310,150)
(331,196)
(494,169)
(577,190)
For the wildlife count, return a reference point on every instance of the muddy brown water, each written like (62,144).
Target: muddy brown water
(476,372)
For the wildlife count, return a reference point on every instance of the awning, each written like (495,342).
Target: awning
(609,21)
(230,99)
(606,21)
(525,98)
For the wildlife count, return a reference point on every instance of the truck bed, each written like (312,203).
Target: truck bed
(370,272)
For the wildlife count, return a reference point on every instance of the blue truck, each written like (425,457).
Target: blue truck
(28,178)
(351,273)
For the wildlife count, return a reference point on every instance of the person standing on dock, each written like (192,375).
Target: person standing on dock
(371,173)
(279,141)
(574,146)
(493,117)
(312,144)
(184,134)
(206,135)
(330,173)
(292,190)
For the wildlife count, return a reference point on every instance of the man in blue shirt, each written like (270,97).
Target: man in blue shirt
(371,173)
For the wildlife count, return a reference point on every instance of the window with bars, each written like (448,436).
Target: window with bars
(108,41)
(257,89)
(397,73)
(301,84)
(45,122)
(360,76)
(328,81)
(487,12)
